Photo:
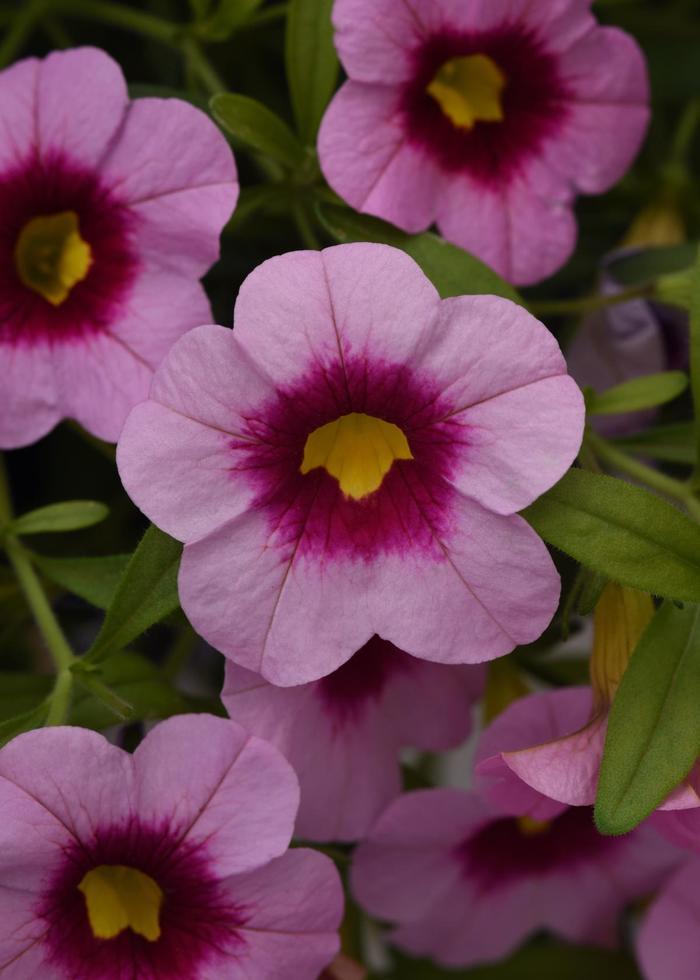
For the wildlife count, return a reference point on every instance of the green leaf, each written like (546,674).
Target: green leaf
(674,443)
(258,127)
(126,683)
(653,737)
(70,515)
(534,962)
(146,594)
(312,64)
(625,533)
(645,266)
(452,271)
(93,579)
(644,392)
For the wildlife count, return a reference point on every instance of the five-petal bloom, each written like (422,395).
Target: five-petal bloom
(349,460)
(343,733)
(111,211)
(467,880)
(485,117)
(170,863)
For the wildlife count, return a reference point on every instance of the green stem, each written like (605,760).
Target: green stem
(202,67)
(667,485)
(127,17)
(42,612)
(304,227)
(59,699)
(38,603)
(23,24)
(587,304)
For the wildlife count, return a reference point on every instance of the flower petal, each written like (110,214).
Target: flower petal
(30,406)
(214,783)
(521,231)
(81,98)
(176,171)
(532,720)
(18,138)
(76,775)
(367,159)
(295,620)
(494,587)
(406,863)
(668,944)
(295,906)
(307,309)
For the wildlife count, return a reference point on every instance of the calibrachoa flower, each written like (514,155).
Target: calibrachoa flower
(567,728)
(485,117)
(170,863)
(348,462)
(464,884)
(343,733)
(111,211)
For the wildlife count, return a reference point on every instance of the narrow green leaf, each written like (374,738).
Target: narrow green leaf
(674,443)
(452,271)
(133,682)
(70,515)
(644,392)
(653,737)
(121,709)
(644,266)
(312,64)
(93,579)
(258,127)
(146,594)
(625,533)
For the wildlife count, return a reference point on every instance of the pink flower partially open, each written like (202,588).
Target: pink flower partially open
(668,942)
(349,462)
(464,884)
(551,744)
(484,117)
(111,211)
(168,864)
(342,734)
(558,753)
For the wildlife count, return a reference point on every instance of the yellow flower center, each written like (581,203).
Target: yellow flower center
(358,450)
(469,89)
(51,257)
(531,828)
(119,898)
(621,616)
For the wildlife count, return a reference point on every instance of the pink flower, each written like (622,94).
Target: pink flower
(170,863)
(668,943)
(342,734)
(111,211)
(464,884)
(484,116)
(349,461)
